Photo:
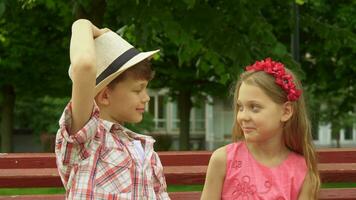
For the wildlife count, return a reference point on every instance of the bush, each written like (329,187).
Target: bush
(163,141)
(42,116)
(145,126)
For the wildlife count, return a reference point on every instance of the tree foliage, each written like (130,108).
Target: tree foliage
(32,42)
(32,46)
(204,46)
(329,49)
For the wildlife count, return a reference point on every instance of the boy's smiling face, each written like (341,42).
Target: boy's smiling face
(125,102)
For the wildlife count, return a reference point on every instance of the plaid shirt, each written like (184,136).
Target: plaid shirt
(100,162)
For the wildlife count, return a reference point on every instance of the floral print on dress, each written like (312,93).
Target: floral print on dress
(246,179)
(245,189)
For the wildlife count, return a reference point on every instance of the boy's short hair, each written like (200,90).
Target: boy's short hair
(140,71)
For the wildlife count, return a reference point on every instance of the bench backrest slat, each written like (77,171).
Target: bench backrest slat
(337,155)
(49,177)
(168,158)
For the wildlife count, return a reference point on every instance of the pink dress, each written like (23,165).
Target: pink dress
(247,179)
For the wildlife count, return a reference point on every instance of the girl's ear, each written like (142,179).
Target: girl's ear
(102,98)
(287,111)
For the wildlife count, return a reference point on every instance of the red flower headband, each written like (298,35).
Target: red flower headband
(282,78)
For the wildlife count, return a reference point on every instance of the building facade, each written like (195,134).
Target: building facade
(212,122)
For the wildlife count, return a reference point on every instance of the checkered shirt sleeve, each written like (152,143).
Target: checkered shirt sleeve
(159,184)
(72,148)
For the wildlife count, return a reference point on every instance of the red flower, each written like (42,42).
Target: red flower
(276,69)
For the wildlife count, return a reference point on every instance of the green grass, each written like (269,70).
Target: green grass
(171,188)
(24,191)
(338,185)
(180,188)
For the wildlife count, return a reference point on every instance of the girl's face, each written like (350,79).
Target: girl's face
(260,118)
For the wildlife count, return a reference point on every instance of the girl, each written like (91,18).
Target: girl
(272,156)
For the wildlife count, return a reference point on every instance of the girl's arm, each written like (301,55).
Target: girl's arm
(215,175)
(306,192)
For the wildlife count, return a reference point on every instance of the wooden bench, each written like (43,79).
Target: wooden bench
(21,170)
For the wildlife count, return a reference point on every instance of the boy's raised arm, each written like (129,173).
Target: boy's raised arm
(83,72)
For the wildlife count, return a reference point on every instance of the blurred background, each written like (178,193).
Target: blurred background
(204,45)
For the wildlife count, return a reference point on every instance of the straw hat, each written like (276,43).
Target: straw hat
(113,56)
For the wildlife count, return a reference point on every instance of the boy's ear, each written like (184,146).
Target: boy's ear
(287,111)
(102,98)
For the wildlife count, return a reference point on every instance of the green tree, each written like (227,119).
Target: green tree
(328,49)
(204,44)
(32,49)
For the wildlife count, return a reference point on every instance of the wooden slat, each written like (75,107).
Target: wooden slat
(48,160)
(184,158)
(337,172)
(337,194)
(17,178)
(325,194)
(27,160)
(49,177)
(185,195)
(185,175)
(34,197)
(168,158)
(337,155)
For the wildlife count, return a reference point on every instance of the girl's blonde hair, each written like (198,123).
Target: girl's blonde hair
(297,130)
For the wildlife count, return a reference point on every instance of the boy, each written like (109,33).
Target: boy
(97,158)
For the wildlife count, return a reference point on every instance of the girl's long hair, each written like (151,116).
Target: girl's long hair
(297,130)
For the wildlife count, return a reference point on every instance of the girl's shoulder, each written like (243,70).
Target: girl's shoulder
(235,149)
(219,155)
(223,153)
(217,162)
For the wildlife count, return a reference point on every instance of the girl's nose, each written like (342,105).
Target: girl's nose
(242,116)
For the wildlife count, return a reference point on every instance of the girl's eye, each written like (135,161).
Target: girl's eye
(255,108)
(240,108)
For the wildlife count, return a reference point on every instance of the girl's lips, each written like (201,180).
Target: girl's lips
(248,129)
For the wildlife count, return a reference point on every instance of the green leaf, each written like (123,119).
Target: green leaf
(2,8)
(225,78)
(299,2)
(203,65)
(279,49)
(190,3)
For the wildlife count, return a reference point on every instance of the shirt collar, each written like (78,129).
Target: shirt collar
(125,134)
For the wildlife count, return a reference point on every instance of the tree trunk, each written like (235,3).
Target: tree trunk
(95,14)
(184,107)
(7,118)
(338,140)
(315,123)
(335,132)
(295,35)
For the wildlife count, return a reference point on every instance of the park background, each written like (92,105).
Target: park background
(204,46)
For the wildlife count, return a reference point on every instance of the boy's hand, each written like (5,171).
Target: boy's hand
(97,32)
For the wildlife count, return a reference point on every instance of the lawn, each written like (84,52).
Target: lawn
(171,188)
